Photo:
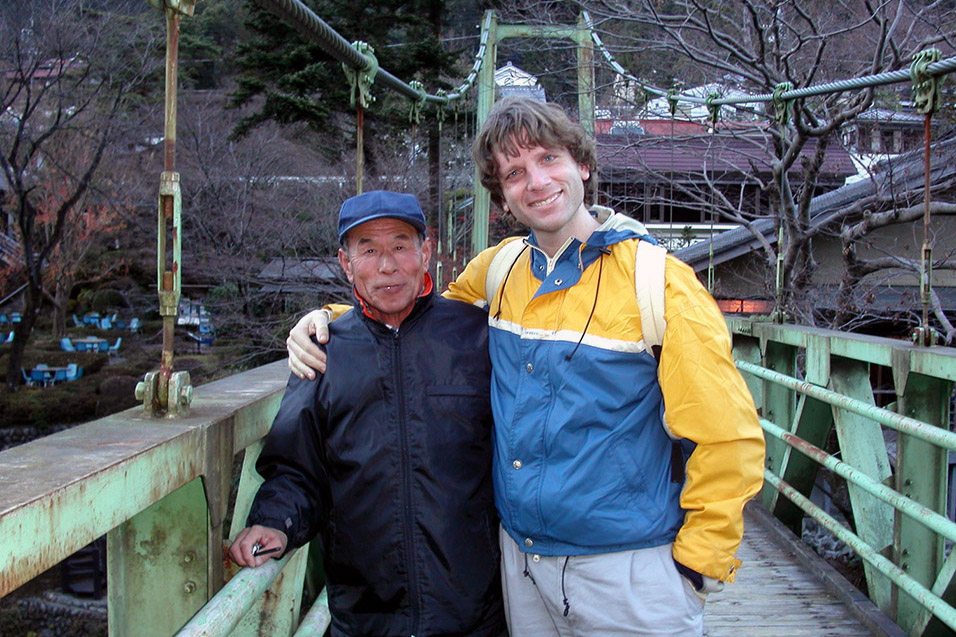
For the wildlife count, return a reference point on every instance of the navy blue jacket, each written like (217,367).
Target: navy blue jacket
(388,458)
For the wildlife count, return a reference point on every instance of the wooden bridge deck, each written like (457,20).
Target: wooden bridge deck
(785,589)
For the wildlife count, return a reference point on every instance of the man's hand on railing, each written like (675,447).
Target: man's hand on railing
(256,544)
(304,356)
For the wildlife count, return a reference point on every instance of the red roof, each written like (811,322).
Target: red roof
(727,156)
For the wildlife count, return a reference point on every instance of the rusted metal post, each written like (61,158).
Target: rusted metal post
(926,256)
(168,392)
(926,98)
(359,150)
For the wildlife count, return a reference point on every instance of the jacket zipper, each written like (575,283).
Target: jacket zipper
(408,517)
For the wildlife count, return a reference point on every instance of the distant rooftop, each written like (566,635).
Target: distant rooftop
(510,80)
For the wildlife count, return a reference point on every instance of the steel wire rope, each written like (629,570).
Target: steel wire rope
(317,31)
(935,69)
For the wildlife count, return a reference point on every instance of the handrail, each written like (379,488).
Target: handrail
(60,492)
(226,609)
(904,424)
(933,602)
(792,408)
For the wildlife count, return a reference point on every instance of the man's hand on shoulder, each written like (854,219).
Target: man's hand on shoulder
(305,358)
(244,551)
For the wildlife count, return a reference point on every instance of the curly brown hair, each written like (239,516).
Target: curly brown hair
(519,123)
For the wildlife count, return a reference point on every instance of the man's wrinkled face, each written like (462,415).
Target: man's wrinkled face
(386,261)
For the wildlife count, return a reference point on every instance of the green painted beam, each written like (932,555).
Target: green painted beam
(60,492)
(157,565)
(862,446)
(921,474)
(779,406)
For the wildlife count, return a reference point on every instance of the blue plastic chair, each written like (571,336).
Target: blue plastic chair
(39,375)
(106,324)
(134,324)
(77,322)
(119,325)
(73,371)
(9,338)
(115,347)
(58,376)
(4,319)
(81,346)
(91,319)
(103,346)
(67,345)
(26,377)
(15,317)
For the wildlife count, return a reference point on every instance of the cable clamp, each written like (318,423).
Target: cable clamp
(184,7)
(782,108)
(418,105)
(926,94)
(713,108)
(360,81)
(672,100)
(442,114)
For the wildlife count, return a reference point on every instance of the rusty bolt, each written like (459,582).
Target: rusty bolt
(190,587)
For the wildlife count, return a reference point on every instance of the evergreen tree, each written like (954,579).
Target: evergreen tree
(290,80)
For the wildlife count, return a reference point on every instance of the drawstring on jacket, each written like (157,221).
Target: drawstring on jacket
(527,572)
(501,288)
(567,604)
(597,290)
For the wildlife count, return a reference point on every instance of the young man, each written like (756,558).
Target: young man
(388,455)
(605,528)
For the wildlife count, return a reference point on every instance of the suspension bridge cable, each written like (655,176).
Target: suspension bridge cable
(888,77)
(317,31)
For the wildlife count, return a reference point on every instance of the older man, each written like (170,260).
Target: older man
(388,455)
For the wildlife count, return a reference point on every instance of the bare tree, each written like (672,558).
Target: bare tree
(70,69)
(247,203)
(762,45)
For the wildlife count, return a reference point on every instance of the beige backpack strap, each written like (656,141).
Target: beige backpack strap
(649,262)
(503,260)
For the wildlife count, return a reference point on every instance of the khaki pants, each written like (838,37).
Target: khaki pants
(637,592)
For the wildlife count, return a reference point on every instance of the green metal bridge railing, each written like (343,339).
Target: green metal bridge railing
(160,488)
(808,383)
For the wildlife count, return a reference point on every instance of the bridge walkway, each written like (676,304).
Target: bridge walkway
(785,589)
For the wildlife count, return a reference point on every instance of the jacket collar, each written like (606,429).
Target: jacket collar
(614,229)
(423,300)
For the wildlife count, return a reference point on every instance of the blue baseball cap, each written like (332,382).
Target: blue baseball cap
(377,204)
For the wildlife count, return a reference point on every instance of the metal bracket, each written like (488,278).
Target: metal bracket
(418,105)
(442,113)
(782,108)
(713,108)
(672,101)
(179,398)
(924,335)
(360,81)
(170,210)
(184,7)
(926,94)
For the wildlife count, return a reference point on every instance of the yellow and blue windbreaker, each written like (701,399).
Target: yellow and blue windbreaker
(582,451)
